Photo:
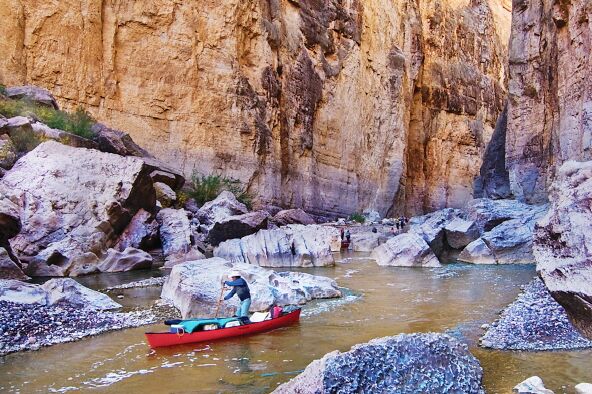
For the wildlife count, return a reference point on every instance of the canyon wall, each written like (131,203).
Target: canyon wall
(550,92)
(334,106)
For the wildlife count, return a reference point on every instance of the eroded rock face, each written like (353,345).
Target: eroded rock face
(195,287)
(289,246)
(562,243)
(279,78)
(141,232)
(128,260)
(8,268)
(432,363)
(431,227)
(292,216)
(550,93)
(405,250)
(73,201)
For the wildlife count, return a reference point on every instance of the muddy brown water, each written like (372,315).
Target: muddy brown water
(383,301)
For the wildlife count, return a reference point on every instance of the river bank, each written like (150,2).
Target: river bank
(455,299)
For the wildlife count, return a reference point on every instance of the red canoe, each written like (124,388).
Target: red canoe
(160,339)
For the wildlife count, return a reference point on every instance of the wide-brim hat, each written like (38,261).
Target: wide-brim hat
(233,274)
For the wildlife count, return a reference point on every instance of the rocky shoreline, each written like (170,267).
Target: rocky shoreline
(534,322)
(33,326)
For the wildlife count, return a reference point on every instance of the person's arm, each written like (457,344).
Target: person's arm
(229,295)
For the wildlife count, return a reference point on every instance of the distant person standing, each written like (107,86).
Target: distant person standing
(347,235)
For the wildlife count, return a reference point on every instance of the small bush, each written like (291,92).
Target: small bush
(79,122)
(2,89)
(25,140)
(204,188)
(356,217)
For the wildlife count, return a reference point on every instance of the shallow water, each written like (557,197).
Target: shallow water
(383,301)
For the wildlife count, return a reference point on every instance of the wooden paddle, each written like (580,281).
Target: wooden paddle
(220,298)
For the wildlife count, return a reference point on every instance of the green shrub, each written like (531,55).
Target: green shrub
(2,89)
(356,217)
(204,188)
(25,139)
(79,122)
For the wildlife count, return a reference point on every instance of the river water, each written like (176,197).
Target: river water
(382,301)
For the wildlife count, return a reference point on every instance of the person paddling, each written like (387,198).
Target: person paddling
(241,289)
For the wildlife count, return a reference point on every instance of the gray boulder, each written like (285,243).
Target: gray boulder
(195,287)
(477,252)
(165,194)
(487,213)
(22,293)
(371,216)
(223,206)
(431,227)
(73,201)
(34,94)
(366,241)
(294,245)
(238,226)
(563,243)
(141,233)
(66,290)
(459,233)
(403,364)
(292,216)
(44,132)
(405,250)
(128,260)
(114,141)
(175,236)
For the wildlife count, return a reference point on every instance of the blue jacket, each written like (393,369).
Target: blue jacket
(240,288)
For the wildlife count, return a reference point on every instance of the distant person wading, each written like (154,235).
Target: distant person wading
(241,289)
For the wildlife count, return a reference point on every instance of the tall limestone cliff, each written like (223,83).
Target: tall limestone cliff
(334,106)
(550,92)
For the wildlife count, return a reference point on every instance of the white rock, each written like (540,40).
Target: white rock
(365,242)
(405,250)
(221,207)
(73,200)
(69,291)
(195,287)
(584,388)
(165,194)
(532,385)
(128,260)
(290,246)
(175,235)
(477,252)
(371,216)
(22,293)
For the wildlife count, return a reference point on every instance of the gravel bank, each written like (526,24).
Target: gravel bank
(535,321)
(158,281)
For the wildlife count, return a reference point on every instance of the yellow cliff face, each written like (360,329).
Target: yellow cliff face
(332,106)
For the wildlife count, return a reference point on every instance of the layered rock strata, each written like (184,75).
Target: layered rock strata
(388,103)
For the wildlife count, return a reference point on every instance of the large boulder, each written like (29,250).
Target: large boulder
(73,201)
(164,194)
(195,287)
(44,132)
(405,250)
(66,290)
(10,269)
(115,141)
(238,226)
(141,233)
(460,232)
(175,236)
(34,94)
(403,364)
(292,216)
(128,260)
(477,252)
(223,206)
(563,243)
(487,213)
(289,246)
(431,227)
(22,293)
(366,241)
